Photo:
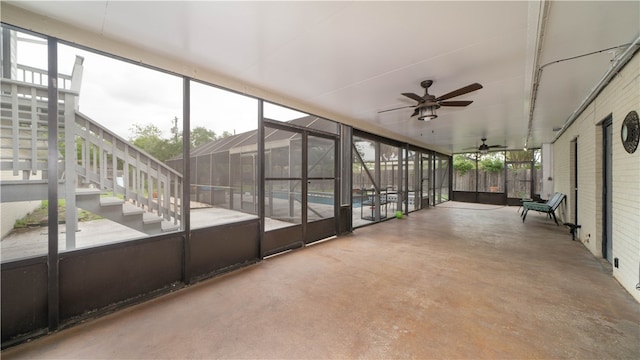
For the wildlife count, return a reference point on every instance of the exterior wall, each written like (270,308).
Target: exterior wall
(13,211)
(618,98)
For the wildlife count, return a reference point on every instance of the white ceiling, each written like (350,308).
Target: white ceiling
(354,59)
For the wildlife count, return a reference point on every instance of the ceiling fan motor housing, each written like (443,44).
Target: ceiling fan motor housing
(426,83)
(430,100)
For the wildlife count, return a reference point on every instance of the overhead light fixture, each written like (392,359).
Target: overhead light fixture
(484,148)
(427,113)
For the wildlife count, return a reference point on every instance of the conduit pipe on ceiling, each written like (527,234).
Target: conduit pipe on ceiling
(615,67)
(543,19)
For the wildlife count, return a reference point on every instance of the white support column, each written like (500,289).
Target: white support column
(71,154)
(71,178)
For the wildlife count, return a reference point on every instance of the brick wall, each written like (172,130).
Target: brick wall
(619,97)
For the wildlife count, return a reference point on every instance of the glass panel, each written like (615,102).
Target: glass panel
(285,154)
(123,127)
(24,144)
(203,167)
(441,174)
(235,176)
(223,156)
(366,151)
(389,174)
(424,200)
(281,113)
(193,171)
(345,165)
(518,173)
(282,202)
(537,171)
(491,172)
(248,185)
(444,178)
(321,157)
(320,174)
(413,171)
(521,170)
(519,180)
(320,200)
(375,174)
(464,172)
(283,198)
(363,175)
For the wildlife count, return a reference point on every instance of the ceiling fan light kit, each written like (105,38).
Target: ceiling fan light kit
(427,113)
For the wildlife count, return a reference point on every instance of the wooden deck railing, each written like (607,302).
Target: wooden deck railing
(97,156)
(23,127)
(35,76)
(109,162)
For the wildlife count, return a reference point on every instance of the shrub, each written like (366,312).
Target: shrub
(462,165)
(492,165)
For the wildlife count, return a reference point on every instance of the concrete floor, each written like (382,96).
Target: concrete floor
(461,281)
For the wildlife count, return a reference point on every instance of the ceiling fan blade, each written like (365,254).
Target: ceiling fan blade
(471,148)
(403,107)
(455,103)
(415,112)
(497,146)
(413,96)
(461,91)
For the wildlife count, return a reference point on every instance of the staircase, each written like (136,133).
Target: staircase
(102,174)
(124,213)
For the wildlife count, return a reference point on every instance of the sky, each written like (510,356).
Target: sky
(118,94)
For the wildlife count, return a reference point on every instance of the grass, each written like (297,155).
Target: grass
(40,216)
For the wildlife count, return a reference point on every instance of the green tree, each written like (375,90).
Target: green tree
(521,155)
(149,138)
(201,135)
(491,164)
(462,165)
(519,159)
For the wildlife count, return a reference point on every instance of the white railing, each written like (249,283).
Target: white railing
(101,158)
(109,162)
(23,127)
(35,76)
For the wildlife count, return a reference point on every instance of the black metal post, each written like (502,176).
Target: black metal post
(261,177)
(52,180)
(186,179)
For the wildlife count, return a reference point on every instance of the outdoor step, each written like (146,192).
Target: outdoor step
(168,226)
(87,191)
(110,201)
(149,218)
(130,209)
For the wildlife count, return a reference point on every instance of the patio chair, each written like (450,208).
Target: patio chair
(549,207)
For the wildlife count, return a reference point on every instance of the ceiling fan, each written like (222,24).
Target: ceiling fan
(484,148)
(427,104)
